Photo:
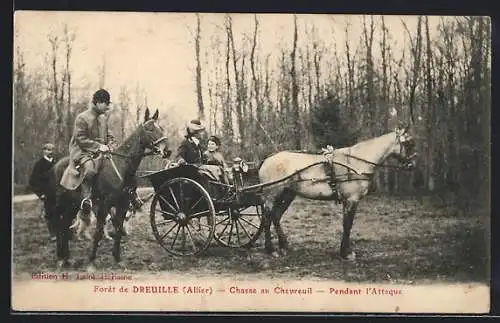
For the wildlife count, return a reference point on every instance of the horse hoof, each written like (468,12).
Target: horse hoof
(91,268)
(349,257)
(120,266)
(63,264)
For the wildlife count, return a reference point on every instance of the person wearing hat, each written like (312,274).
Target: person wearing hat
(38,182)
(91,135)
(190,150)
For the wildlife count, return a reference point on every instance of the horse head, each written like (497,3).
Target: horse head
(404,147)
(153,137)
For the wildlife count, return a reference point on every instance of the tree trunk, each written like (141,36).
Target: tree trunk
(257,138)
(295,88)
(199,89)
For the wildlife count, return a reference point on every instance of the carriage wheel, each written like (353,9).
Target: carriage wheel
(183,217)
(239,227)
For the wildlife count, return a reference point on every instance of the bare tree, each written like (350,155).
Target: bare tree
(54,43)
(256,83)
(199,89)
(295,87)
(69,38)
(239,83)
(416,50)
(124,100)
(227,114)
(370,76)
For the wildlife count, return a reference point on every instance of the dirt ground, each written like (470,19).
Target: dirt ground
(397,240)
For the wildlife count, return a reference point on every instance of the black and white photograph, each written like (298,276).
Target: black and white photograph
(250,162)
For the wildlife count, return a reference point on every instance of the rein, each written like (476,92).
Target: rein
(151,146)
(330,149)
(297,172)
(375,164)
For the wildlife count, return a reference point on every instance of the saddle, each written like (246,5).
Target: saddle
(72,177)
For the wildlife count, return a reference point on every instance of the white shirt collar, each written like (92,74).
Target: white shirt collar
(49,159)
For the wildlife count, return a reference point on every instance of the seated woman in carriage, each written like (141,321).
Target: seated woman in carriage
(190,151)
(213,156)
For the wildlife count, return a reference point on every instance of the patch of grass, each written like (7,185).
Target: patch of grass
(396,240)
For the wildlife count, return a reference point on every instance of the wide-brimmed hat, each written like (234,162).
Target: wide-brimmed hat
(195,126)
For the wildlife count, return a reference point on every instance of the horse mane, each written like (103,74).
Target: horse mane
(367,141)
(305,151)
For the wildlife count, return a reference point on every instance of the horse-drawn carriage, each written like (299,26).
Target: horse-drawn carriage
(191,207)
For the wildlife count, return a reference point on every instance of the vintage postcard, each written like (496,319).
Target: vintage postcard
(251,163)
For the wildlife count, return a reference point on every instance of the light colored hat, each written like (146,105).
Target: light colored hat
(194,126)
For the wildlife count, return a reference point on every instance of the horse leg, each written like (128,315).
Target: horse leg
(279,209)
(98,235)
(64,216)
(267,210)
(349,210)
(118,219)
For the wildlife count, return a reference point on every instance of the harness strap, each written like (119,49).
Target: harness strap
(115,168)
(159,140)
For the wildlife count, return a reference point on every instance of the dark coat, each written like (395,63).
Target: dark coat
(190,152)
(39,179)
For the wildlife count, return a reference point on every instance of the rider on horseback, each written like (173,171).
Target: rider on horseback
(91,136)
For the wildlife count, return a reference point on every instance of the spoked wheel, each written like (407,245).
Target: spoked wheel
(239,227)
(183,217)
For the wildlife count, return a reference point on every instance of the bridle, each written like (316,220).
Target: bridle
(405,144)
(152,146)
(404,162)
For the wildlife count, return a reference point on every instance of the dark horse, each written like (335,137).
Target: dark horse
(308,175)
(110,190)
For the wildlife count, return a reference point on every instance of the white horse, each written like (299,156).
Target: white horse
(343,175)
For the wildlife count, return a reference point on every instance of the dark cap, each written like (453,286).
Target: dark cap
(101,96)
